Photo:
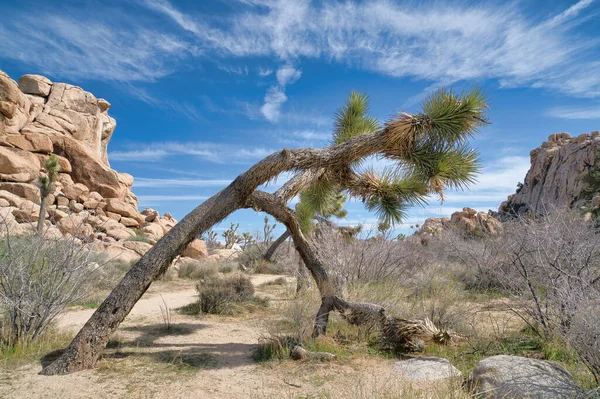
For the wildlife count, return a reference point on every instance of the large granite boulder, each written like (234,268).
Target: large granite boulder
(509,377)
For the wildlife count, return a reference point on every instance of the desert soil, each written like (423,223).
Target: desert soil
(202,357)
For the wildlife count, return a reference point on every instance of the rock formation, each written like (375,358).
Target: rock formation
(91,201)
(554,179)
(467,221)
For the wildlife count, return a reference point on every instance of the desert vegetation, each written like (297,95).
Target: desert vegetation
(319,294)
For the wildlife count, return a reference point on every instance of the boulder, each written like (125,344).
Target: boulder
(35,84)
(27,211)
(4,202)
(115,252)
(113,216)
(76,226)
(18,166)
(226,254)
(150,214)
(75,206)
(120,234)
(14,106)
(76,192)
(33,142)
(88,169)
(427,369)
(138,247)
(129,222)
(115,205)
(8,223)
(520,377)
(22,190)
(153,229)
(13,200)
(195,250)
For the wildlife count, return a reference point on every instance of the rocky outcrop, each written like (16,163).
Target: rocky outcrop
(91,201)
(554,179)
(468,221)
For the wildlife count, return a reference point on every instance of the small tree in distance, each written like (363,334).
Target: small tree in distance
(46,184)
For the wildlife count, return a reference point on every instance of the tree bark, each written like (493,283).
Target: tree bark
(354,313)
(86,348)
(271,251)
(42,216)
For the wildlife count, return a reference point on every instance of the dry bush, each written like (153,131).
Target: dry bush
(371,259)
(550,267)
(219,295)
(194,270)
(39,278)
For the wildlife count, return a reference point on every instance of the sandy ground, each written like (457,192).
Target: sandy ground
(203,357)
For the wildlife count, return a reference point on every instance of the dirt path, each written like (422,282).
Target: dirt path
(223,346)
(199,357)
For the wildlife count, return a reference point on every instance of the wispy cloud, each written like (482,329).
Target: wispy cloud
(142,182)
(207,151)
(444,43)
(79,47)
(241,71)
(264,72)
(153,200)
(574,113)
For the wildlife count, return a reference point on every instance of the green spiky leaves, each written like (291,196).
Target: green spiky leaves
(353,120)
(449,118)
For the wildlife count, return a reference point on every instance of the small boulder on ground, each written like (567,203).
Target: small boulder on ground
(427,369)
(508,377)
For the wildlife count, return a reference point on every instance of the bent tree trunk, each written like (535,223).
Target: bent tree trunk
(355,313)
(86,348)
(271,251)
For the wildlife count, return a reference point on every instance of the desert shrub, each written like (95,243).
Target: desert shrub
(370,259)
(228,267)
(139,236)
(38,278)
(550,269)
(220,295)
(192,269)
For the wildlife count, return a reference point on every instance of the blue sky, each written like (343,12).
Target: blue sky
(203,89)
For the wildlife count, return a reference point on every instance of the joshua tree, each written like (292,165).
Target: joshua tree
(46,184)
(320,202)
(430,149)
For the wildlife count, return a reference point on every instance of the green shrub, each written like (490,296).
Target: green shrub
(139,236)
(220,295)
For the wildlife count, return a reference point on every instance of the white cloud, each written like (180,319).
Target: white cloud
(287,74)
(142,182)
(441,42)
(271,109)
(147,155)
(241,71)
(79,47)
(208,151)
(148,200)
(575,113)
(275,96)
(265,72)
